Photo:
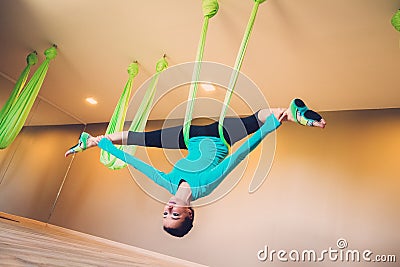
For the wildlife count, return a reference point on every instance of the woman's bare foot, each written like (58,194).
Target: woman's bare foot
(279,113)
(94,140)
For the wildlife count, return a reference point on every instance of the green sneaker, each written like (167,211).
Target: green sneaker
(302,114)
(81,146)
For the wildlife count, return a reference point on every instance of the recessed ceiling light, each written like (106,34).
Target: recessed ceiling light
(91,100)
(208,87)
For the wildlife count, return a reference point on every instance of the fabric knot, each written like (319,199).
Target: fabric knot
(133,69)
(396,20)
(161,65)
(51,52)
(32,58)
(210,8)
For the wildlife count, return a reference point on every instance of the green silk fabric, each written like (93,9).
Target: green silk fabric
(396,20)
(138,124)
(210,8)
(236,69)
(16,110)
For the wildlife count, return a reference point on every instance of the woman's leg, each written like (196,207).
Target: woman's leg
(164,138)
(235,129)
(170,138)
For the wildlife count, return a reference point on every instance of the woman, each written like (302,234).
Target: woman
(206,164)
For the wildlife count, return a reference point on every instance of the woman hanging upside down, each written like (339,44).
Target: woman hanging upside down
(206,164)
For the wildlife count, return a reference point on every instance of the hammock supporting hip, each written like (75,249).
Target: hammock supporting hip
(138,124)
(234,75)
(14,113)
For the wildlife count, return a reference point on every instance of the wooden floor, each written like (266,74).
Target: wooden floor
(24,242)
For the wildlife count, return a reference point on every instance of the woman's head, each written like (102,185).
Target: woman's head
(177,217)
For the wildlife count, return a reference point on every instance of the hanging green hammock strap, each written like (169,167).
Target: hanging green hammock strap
(17,108)
(396,20)
(117,120)
(210,8)
(236,69)
(139,121)
(31,60)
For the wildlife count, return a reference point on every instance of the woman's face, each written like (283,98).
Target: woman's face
(175,212)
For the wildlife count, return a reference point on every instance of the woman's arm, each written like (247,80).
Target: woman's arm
(157,176)
(230,162)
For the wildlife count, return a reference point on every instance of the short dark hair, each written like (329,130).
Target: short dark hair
(184,228)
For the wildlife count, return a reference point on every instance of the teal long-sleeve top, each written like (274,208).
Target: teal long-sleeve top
(205,166)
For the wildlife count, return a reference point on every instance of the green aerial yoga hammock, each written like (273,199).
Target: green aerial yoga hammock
(396,20)
(236,68)
(14,113)
(31,60)
(210,8)
(139,121)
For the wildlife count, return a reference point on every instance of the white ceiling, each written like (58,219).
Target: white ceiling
(337,55)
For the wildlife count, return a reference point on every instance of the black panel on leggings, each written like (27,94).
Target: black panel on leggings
(235,129)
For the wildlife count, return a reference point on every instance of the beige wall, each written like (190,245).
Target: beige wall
(341,182)
(32,169)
